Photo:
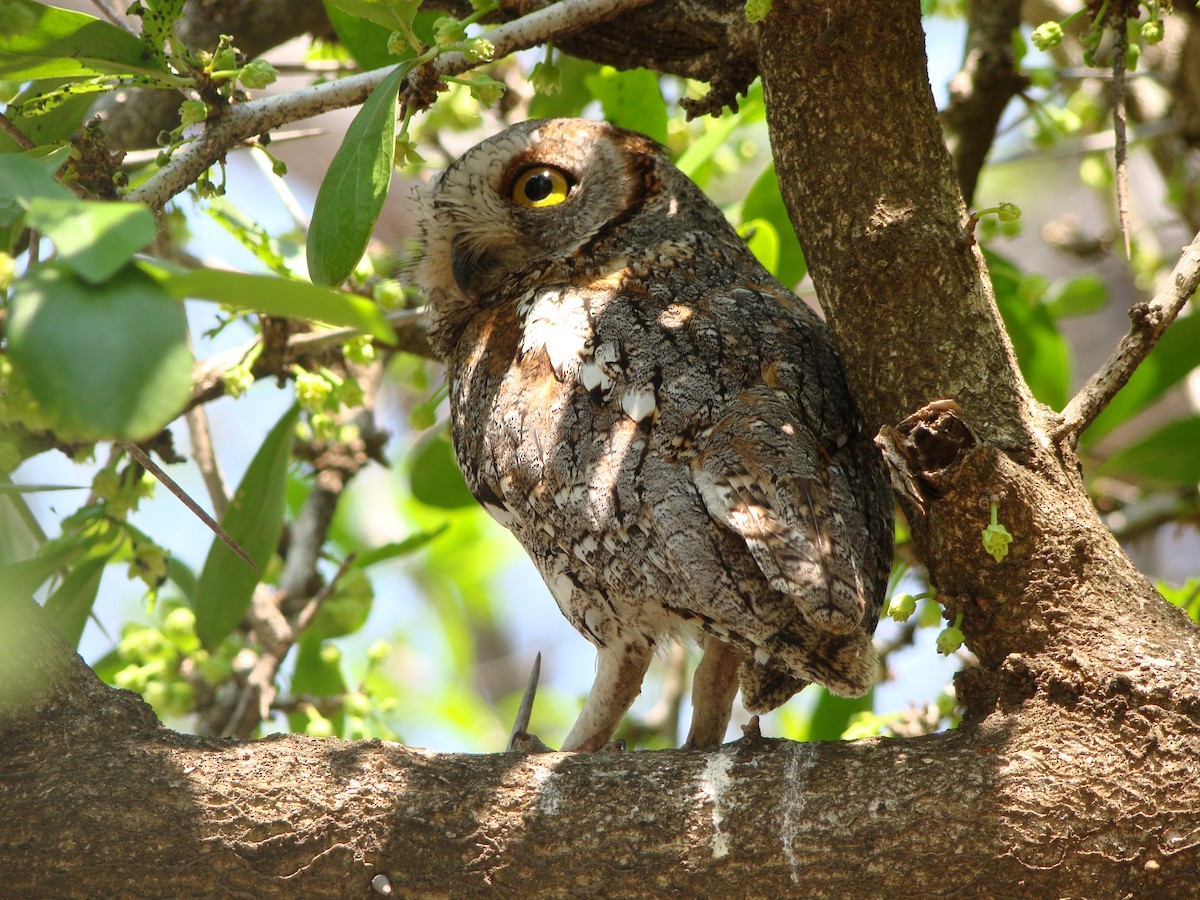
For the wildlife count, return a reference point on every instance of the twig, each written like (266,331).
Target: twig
(244,120)
(277,636)
(1149,320)
(169,483)
(1121,154)
(207,384)
(206,460)
(22,140)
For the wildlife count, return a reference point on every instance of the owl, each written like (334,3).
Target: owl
(663,426)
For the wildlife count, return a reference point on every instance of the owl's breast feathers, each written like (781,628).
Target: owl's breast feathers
(621,408)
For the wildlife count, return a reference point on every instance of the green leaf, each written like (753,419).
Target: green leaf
(389,14)
(183,577)
(355,186)
(762,239)
(764,201)
(70,606)
(367,41)
(1170,454)
(23,178)
(1175,355)
(1041,351)
(254,520)
(631,99)
(27,576)
(104,360)
(435,478)
(831,715)
(346,610)
(1186,596)
(279,297)
(409,545)
(316,674)
(1077,296)
(696,162)
(95,239)
(51,126)
(59,43)
(574,94)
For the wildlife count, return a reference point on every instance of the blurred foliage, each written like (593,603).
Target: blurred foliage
(418,629)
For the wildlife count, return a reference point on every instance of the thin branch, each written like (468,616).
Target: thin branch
(244,120)
(22,141)
(1149,320)
(278,638)
(1121,155)
(206,459)
(207,378)
(169,483)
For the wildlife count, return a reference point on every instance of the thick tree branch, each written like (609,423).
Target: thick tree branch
(244,120)
(100,801)
(1149,320)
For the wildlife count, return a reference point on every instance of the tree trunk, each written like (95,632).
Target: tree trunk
(1075,773)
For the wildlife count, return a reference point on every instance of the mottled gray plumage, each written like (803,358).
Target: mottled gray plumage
(662,425)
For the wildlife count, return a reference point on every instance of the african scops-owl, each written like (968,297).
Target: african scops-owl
(663,426)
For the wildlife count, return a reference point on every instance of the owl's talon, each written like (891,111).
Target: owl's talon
(520,735)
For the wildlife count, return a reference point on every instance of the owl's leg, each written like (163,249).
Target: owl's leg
(713,688)
(619,673)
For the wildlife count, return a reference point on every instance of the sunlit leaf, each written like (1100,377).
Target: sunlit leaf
(410,544)
(1170,454)
(95,239)
(1186,596)
(367,41)
(1041,351)
(104,360)
(831,715)
(316,674)
(436,480)
(354,188)
(696,161)
(254,520)
(71,604)
(764,201)
(25,177)
(26,576)
(631,98)
(1175,355)
(46,127)
(1077,296)
(762,239)
(574,94)
(58,43)
(277,296)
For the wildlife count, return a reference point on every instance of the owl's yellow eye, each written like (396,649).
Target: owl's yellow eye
(540,186)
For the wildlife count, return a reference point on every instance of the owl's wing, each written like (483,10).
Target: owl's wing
(764,475)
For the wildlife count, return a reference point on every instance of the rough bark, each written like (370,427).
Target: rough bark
(1075,774)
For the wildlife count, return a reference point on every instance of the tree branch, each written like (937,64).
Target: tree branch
(1149,320)
(244,120)
(989,78)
